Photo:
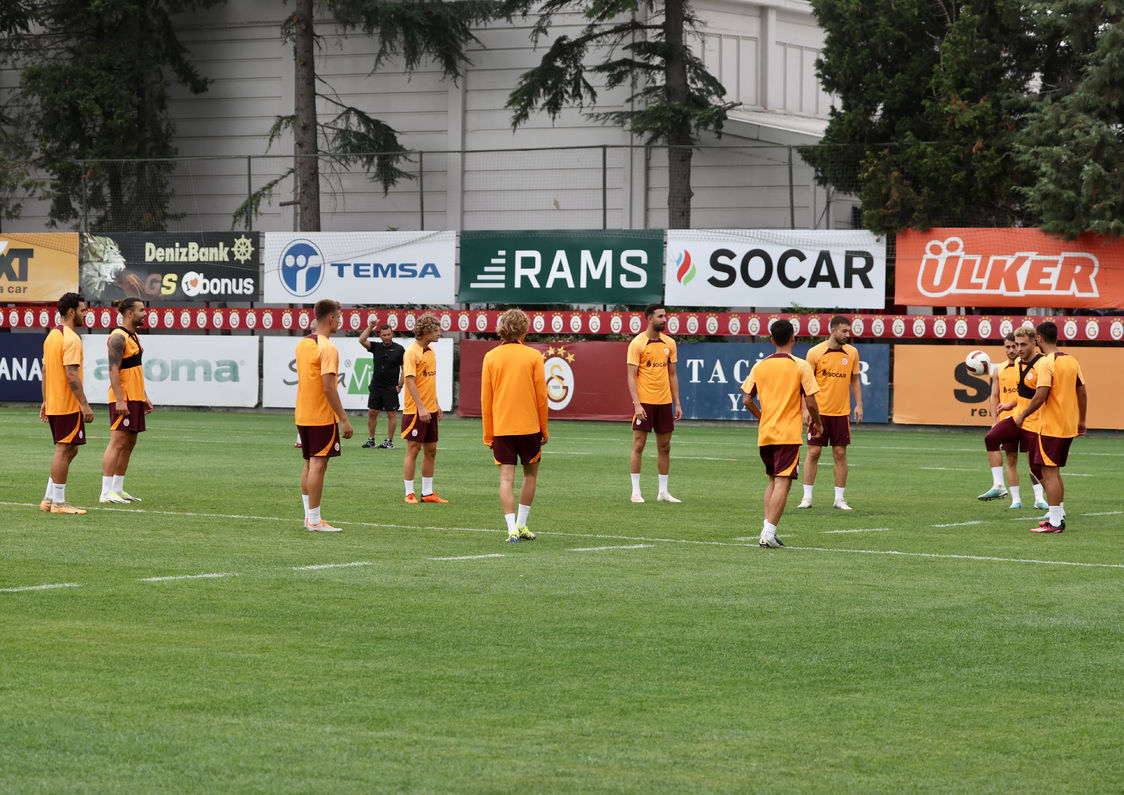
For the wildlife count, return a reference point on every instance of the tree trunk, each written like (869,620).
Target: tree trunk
(304,127)
(679,140)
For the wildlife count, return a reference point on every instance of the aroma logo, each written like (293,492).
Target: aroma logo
(684,268)
(559,377)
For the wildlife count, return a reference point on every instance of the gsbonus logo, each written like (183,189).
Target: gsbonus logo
(684,268)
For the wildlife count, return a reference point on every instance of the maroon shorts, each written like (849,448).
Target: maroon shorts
(318,440)
(780,459)
(661,418)
(834,431)
(525,448)
(67,428)
(1002,433)
(414,430)
(132,420)
(1053,451)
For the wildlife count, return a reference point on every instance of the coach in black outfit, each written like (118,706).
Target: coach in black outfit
(386,382)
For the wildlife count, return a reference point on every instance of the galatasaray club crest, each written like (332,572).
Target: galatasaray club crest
(559,377)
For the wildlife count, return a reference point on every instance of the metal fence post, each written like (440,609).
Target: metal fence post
(791,193)
(249,193)
(421,191)
(604,187)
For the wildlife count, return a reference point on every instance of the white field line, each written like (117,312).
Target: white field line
(949,469)
(1104,513)
(947,556)
(212,576)
(47,587)
(858,530)
(602,549)
(319,566)
(473,557)
(958,524)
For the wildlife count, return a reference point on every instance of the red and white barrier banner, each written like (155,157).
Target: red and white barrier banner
(705,324)
(1008,267)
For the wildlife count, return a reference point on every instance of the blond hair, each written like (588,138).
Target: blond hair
(425,324)
(513,325)
(1026,331)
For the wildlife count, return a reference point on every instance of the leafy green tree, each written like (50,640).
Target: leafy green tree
(674,98)
(16,149)
(930,96)
(438,31)
(1073,145)
(95,89)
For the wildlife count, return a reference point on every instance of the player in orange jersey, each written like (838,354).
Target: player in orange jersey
(514,411)
(786,388)
(836,365)
(1061,402)
(420,411)
(654,387)
(317,410)
(1025,432)
(128,401)
(64,400)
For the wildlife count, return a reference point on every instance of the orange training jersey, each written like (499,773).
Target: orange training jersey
(62,347)
(1026,392)
(422,365)
(652,359)
(1058,416)
(316,357)
(132,373)
(513,392)
(1008,375)
(834,370)
(779,382)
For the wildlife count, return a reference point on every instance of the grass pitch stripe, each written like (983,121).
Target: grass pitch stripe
(319,566)
(601,549)
(210,576)
(47,587)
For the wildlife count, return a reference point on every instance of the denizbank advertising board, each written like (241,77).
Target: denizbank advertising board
(595,266)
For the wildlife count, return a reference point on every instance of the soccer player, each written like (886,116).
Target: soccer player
(318,409)
(64,400)
(420,411)
(514,410)
(1004,388)
(654,387)
(128,401)
(836,365)
(1024,433)
(1060,402)
(779,382)
(386,382)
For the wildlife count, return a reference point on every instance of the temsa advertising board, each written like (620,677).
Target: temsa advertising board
(1008,267)
(932,385)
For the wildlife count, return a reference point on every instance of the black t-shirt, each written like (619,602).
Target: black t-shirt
(388,363)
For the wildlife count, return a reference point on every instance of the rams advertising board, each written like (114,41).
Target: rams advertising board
(38,267)
(711,375)
(170,267)
(769,267)
(182,370)
(384,268)
(279,372)
(593,266)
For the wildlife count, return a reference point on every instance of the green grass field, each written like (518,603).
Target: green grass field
(924,642)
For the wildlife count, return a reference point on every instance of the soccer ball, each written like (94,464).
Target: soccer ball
(978,363)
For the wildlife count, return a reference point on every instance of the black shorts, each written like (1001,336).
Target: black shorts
(780,459)
(132,420)
(414,430)
(1053,451)
(834,431)
(511,450)
(318,440)
(383,398)
(661,418)
(67,428)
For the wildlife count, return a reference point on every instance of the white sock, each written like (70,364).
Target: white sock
(427,485)
(1014,492)
(118,484)
(1062,506)
(635,482)
(106,484)
(50,489)
(1039,492)
(663,482)
(409,486)
(59,492)
(304,499)
(510,519)
(839,492)
(524,512)
(769,529)
(997,477)
(1057,515)
(808,492)
(314,515)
